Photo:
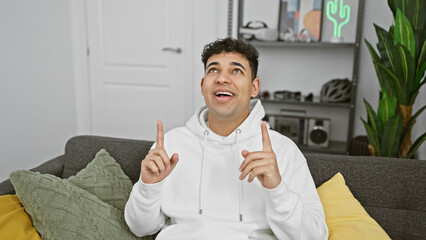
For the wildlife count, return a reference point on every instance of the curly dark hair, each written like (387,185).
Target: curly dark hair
(231,45)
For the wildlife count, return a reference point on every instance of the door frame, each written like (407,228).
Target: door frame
(81,52)
(81,66)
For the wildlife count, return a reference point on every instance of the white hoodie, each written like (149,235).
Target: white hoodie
(203,198)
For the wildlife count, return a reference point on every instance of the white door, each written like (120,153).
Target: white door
(136,63)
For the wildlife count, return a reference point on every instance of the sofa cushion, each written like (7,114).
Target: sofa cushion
(79,151)
(392,190)
(14,221)
(345,217)
(62,208)
(104,178)
(59,209)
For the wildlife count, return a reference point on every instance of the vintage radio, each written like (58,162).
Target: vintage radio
(290,123)
(302,129)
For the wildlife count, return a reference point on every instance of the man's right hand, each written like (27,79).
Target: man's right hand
(156,166)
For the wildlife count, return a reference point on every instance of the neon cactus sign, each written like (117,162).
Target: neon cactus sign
(339,15)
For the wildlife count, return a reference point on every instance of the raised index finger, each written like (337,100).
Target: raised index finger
(160,135)
(267,147)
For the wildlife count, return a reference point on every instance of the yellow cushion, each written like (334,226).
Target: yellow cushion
(346,218)
(14,221)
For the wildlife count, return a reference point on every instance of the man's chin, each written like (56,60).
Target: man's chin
(221,114)
(227,115)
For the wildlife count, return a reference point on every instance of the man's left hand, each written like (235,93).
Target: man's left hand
(261,164)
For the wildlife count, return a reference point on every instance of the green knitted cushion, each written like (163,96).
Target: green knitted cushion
(104,178)
(61,210)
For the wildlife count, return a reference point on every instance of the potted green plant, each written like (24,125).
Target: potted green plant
(400,64)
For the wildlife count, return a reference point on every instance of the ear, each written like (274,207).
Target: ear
(202,83)
(255,87)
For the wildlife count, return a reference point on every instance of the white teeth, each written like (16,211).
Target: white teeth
(224,93)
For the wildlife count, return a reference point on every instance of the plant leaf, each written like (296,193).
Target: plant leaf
(387,107)
(391,135)
(413,98)
(419,78)
(411,122)
(403,32)
(412,9)
(417,15)
(373,120)
(383,80)
(422,58)
(372,137)
(416,145)
(393,5)
(420,38)
(385,46)
(376,58)
(417,83)
(398,88)
(422,82)
(391,31)
(404,71)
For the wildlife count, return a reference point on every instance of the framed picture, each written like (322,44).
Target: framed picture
(289,15)
(300,20)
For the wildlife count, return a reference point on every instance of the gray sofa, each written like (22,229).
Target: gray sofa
(393,191)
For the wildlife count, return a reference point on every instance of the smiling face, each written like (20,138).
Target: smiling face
(227,87)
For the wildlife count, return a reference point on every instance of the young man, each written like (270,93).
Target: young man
(225,175)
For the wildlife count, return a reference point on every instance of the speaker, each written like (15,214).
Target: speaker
(318,132)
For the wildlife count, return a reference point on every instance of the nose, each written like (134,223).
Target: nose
(223,78)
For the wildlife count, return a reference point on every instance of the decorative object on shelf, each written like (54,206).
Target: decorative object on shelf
(288,35)
(259,30)
(290,126)
(310,12)
(336,91)
(300,20)
(306,36)
(309,97)
(287,95)
(288,22)
(265,94)
(400,65)
(292,123)
(318,132)
(339,14)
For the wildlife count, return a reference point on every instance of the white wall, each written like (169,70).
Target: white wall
(37,97)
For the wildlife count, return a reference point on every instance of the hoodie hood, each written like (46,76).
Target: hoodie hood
(198,124)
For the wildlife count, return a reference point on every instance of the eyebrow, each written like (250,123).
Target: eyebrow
(238,64)
(232,63)
(211,64)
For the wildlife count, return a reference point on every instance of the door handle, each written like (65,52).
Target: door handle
(176,50)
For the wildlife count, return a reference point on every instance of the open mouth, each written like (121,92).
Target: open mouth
(224,94)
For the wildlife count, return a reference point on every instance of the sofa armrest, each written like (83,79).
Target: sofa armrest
(54,166)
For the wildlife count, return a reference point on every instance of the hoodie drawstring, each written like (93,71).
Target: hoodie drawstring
(238,132)
(200,200)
